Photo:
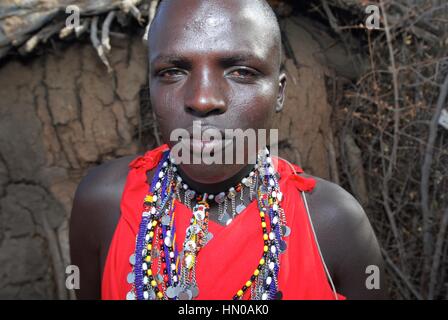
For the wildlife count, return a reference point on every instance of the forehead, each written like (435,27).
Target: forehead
(203,27)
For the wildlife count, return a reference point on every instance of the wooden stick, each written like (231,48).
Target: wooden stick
(105,30)
(96,43)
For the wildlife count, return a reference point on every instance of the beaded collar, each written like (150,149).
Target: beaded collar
(175,278)
(232,199)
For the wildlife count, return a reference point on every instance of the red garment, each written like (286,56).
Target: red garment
(230,258)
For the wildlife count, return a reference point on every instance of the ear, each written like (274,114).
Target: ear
(281,91)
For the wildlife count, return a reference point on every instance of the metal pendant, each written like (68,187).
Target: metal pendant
(194,291)
(240,208)
(189,194)
(220,197)
(185,295)
(247,181)
(159,278)
(131,277)
(149,295)
(199,215)
(190,245)
(208,237)
(132,259)
(278,295)
(286,231)
(171,292)
(223,217)
(166,220)
(152,295)
(282,246)
(195,229)
(130,295)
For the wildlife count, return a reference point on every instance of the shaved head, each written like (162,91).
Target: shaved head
(206,16)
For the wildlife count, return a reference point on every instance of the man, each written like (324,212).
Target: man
(220,62)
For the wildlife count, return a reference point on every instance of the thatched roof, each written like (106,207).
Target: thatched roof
(24,24)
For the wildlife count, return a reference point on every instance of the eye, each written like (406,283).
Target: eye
(243,73)
(170,74)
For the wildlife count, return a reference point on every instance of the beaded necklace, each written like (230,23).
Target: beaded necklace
(175,278)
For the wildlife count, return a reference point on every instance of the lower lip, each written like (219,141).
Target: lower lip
(199,146)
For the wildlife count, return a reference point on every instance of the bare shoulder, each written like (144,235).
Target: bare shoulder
(334,204)
(94,216)
(111,171)
(347,240)
(98,195)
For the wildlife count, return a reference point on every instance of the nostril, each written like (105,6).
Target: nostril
(205,107)
(200,112)
(215,112)
(189,109)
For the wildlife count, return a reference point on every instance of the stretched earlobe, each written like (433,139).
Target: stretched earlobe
(281,93)
(278,107)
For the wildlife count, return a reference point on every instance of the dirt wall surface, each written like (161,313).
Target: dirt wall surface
(304,123)
(62,113)
(59,115)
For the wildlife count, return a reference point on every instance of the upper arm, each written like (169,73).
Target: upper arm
(84,242)
(359,254)
(349,244)
(95,214)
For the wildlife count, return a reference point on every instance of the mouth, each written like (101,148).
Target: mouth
(206,139)
(207,146)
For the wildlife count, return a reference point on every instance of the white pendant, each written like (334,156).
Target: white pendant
(167,241)
(130,278)
(130,295)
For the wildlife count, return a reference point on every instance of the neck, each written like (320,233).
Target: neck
(216,187)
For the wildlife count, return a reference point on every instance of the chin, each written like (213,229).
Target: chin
(210,174)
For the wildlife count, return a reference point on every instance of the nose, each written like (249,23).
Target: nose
(204,96)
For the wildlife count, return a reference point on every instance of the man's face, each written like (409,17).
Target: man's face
(213,62)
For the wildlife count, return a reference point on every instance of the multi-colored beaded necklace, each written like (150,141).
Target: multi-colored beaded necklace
(175,277)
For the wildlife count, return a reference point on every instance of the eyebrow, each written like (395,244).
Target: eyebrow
(226,60)
(242,57)
(174,59)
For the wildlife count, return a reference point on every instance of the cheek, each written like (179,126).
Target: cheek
(166,110)
(254,106)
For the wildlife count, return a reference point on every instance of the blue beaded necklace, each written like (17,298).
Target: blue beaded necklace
(175,277)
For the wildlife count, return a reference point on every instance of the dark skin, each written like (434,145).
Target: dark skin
(202,67)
